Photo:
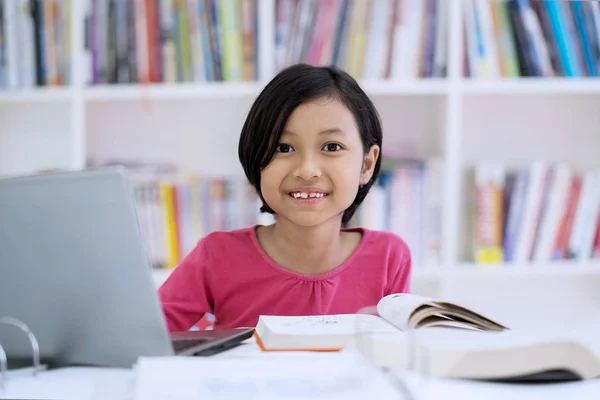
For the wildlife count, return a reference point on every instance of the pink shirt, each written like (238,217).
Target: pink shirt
(229,275)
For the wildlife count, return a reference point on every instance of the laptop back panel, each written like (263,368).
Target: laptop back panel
(73,267)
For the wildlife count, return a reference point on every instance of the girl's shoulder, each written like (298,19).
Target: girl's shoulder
(228,235)
(231,240)
(380,239)
(223,250)
(384,248)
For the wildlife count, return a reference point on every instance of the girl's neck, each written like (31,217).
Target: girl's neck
(309,250)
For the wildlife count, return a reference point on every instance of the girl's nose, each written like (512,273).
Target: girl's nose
(308,168)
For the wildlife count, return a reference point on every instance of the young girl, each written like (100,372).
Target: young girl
(311,147)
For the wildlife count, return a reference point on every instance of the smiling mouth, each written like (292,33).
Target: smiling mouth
(307,195)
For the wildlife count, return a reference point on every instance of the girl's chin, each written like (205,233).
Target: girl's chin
(311,219)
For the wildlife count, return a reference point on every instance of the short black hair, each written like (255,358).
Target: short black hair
(290,88)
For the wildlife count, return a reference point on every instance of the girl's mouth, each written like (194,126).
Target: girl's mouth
(307,195)
(307,198)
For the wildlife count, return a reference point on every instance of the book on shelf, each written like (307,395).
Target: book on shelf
(407,200)
(446,339)
(176,212)
(177,208)
(152,41)
(35,43)
(538,214)
(531,38)
(370,39)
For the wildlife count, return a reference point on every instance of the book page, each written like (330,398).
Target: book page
(479,340)
(397,308)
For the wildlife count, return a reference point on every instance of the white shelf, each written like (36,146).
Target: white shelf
(219,90)
(182,91)
(405,87)
(427,272)
(531,86)
(565,269)
(44,94)
(562,269)
(224,90)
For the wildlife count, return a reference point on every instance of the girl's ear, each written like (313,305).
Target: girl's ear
(369,164)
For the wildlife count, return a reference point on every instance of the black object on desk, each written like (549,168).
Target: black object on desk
(210,342)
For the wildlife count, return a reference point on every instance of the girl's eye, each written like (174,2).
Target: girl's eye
(284,148)
(332,147)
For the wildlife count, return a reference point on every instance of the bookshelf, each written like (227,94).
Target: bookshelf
(459,118)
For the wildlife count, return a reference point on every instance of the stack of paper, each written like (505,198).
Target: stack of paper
(345,375)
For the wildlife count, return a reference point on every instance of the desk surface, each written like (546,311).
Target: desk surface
(102,383)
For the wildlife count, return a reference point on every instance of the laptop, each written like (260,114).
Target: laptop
(74,269)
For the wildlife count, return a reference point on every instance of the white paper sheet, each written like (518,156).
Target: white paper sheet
(345,376)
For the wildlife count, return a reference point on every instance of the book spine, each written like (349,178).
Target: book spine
(441,40)
(584,38)
(553,212)
(11,37)
(248,32)
(153,40)
(429,38)
(515,213)
(489,211)
(169,199)
(2,46)
(216,36)
(474,47)
(596,250)
(561,247)
(341,33)
(141,45)
(582,240)
(333,20)
(484,17)
(26,32)
(198,60)
(532,211)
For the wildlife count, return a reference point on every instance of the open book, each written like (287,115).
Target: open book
(452,341)
(396,312)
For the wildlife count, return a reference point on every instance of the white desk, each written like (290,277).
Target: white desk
(104,383)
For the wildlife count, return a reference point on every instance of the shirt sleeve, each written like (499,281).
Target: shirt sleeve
(400,268)
(186,295)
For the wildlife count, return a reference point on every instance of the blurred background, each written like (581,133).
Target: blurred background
(490,109)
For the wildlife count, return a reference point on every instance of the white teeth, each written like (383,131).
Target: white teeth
(302,195)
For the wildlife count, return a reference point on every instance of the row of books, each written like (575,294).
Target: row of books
(35,44)
(543,213)
(370,39)
(407,200)
(141,41)
(176,210)
(537,38)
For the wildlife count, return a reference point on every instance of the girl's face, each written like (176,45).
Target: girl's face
(319,164)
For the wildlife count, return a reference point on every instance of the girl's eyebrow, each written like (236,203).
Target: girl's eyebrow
(329,131)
